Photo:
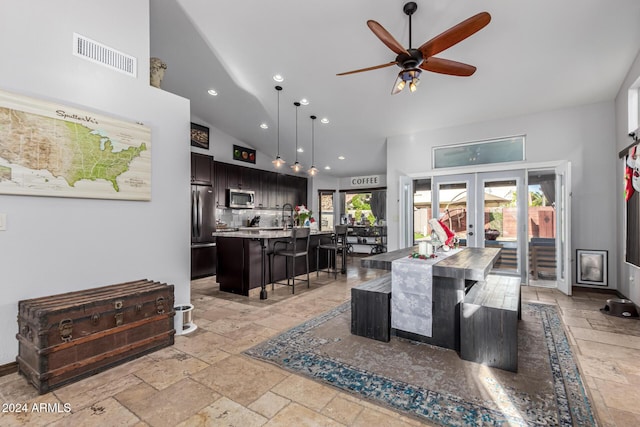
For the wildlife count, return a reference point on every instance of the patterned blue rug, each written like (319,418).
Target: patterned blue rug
(434,384)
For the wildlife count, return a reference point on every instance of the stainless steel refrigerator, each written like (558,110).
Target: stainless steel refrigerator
(203,244)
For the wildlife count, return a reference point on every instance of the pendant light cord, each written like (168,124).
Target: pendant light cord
(297,104)
(278,90)
(313,150)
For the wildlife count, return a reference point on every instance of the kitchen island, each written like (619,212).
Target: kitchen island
(243,259)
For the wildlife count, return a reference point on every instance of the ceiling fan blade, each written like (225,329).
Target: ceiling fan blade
(447,66)
(455,34)
(388,64)
(386,37)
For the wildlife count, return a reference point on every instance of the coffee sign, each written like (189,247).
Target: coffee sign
(366,181)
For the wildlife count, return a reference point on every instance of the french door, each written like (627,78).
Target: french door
(486,210)
(563,222)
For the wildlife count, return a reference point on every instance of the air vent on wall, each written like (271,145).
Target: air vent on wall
(104,55)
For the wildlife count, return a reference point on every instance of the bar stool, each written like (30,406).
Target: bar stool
(337,244)
(294,247)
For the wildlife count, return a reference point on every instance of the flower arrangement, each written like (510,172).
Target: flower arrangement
(301,214)
(420,256)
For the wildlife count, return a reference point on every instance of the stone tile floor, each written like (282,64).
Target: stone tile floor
(204,380)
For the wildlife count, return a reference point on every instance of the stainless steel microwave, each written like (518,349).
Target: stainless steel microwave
(240,199)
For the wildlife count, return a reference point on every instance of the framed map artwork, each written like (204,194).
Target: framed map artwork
(49,149)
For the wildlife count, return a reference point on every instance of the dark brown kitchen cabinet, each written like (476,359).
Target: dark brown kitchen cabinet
(301,191)
(251,181)
(234,177)
(268,189)
(284,193)
(272,189)
(201,169)
(221,183)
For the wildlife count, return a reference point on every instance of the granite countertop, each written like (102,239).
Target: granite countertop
(257,233)
(258,228)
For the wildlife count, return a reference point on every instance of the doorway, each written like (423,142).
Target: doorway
(486,210)
(524,213)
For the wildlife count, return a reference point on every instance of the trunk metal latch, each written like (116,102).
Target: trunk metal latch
(65,327)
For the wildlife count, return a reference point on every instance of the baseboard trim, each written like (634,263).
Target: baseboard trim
(9,368)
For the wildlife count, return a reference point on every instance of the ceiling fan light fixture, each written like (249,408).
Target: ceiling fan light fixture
(409,76)
(410,59)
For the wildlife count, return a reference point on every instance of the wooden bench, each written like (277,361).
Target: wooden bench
(371,309)
(489,322)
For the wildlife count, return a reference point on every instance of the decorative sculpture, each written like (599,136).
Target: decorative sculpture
(157,71)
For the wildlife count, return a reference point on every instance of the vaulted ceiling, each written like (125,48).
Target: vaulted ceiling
(533,56)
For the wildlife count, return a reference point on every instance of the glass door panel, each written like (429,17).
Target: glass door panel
(500,219)
(422,209)
(455,198)
(543,233)
(563,225)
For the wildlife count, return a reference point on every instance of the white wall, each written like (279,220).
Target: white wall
(628,275)
(55,245)
(584,135)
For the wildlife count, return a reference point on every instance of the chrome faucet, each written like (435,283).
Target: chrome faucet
(290,221)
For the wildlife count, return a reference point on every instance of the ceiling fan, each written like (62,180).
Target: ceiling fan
(413,61)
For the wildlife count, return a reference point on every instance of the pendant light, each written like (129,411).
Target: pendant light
(312,170)
(297,167)
(278,161)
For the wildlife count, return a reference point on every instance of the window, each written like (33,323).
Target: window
(366,208)
(326,210)
(632,245)
(479,153)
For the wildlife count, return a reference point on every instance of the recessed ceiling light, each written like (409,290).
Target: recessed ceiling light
(327,167)
(304,101)
(264,126)
(300,150)
(212,92)
(324,120)
(340,157)
(278,78)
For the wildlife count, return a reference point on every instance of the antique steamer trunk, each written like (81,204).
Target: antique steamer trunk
(66,337)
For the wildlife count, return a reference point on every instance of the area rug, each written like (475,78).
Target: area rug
(433,384)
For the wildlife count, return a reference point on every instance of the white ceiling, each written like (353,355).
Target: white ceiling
(533,56)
